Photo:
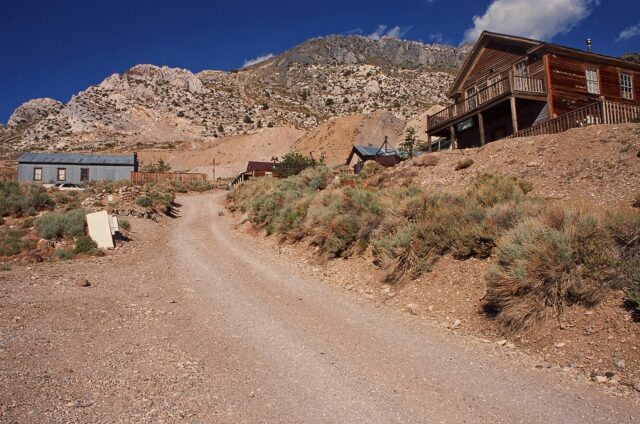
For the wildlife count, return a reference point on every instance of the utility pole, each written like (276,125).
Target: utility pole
(214,169)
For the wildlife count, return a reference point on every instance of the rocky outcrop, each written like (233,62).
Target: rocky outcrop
(356,49)
(153,106)
(33,111)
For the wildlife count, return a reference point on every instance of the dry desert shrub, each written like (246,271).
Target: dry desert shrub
(463,164)
(564,256)
(547,255)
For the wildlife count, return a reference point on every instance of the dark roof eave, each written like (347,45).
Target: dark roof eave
(486,35)
(570,51)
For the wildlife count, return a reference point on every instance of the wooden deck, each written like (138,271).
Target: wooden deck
(508,84)
(600,112)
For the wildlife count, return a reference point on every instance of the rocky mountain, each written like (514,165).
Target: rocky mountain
(151,106)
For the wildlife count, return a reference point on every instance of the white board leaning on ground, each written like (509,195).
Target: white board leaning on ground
(100,230)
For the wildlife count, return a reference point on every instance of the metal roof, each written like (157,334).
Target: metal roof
(373,151)
(77,159)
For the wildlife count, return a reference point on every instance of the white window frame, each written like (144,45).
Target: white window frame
(63,172)
(37,174)
(593,80)
(88,174)
(626,90)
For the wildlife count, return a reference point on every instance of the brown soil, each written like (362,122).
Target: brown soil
(195,322)
(598,164)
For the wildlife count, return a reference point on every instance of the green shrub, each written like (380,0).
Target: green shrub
(124,224)
(13,243)
(62,224)
(64,254)
(563,257)
(294,163)
(465,163)
(84,244)
(144,201)
(22,199)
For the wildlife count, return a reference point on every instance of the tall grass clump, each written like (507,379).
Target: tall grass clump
(62,224)
(567,255)
(23,199)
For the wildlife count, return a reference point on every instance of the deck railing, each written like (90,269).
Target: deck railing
(508,83)
(600,112)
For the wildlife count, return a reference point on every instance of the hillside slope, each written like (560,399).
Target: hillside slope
(597,164)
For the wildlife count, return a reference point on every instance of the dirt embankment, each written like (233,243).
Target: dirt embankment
(598,164)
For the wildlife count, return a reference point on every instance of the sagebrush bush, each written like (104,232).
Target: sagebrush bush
(124,224)
(13,242)
(565,256)
(84,244)
(144,201)
(547,254)
(463,164)
(18,199)
(62,224)
(64,254)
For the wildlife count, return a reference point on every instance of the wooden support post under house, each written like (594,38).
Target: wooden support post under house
(514,115)
(481,127)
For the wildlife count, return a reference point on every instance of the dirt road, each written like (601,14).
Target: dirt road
(310,353)
(197,325)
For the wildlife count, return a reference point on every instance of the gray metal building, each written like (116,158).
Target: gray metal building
(38,167)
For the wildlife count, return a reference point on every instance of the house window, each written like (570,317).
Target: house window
(522,69)
(37,174)
(84,174)
(593,85)
(471,98)
(626,86)
(62,174)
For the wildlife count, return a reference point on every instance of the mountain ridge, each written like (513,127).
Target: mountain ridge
(325,77)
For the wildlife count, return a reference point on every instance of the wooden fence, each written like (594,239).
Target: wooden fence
(140,178)
(600,112)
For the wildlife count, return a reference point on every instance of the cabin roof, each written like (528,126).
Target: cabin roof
(260,166)
(533,46)
(76,159)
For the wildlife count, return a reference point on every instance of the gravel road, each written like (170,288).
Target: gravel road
(195,322)
(288,349)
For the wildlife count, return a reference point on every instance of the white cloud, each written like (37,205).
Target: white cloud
(541,19)
(395,32)
(258,59)
(632,31)
(436,37)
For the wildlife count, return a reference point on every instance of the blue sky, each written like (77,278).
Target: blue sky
(57,48)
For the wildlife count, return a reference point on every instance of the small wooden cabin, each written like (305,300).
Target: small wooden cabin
(383,155)
(509,84)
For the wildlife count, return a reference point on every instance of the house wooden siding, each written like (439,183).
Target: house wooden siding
(569,83)
(499,57)
(507,101)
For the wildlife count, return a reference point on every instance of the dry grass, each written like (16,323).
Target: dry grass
(547,255)
(463,164)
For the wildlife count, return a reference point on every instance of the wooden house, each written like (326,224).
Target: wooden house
(514,86)
(255,169)
(384,155)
